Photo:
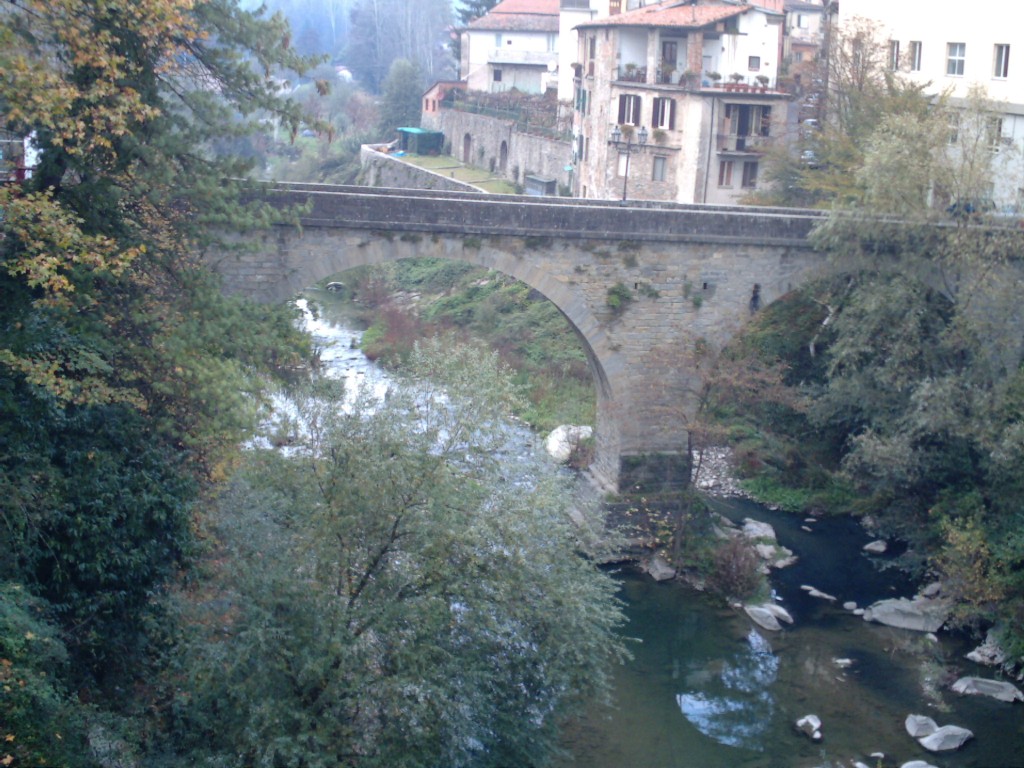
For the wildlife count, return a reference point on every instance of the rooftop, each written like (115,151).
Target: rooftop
(520,16)
(692,16)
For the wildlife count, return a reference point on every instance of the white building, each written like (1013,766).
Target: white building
(514,45)
(951,51)
(572,14)
(699,79)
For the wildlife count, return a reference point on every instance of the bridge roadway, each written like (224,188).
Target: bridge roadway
(687,277)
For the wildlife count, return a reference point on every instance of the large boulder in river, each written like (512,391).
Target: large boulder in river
(920,614)
(768,615)
(919,726)
(563,441)
(763,617)
(946,738)
(981,686)
(757,530)
(810,726)
(659,569)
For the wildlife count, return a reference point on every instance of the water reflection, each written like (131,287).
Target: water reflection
(736,708)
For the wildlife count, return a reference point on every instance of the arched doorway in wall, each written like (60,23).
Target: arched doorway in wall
(503,157)
(467,146)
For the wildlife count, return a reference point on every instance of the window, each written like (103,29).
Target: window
(1001,64)
(994,133)
(629,110)
(955,55)
(954,128)
(914,56)
(497,75)
(658,168)
(497,39)
(801,21)
(623,164)
(552,42)
(894,55)
(749,174)
(669,52)
(725,173)
(664,114)
(754,63)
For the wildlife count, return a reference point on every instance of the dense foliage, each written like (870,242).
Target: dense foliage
(416,298)
(126,379)
(398,590)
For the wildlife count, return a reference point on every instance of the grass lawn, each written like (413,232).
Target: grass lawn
(446,165)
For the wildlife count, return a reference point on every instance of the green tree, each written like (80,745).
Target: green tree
(126,379)
(395,593)
(400,105)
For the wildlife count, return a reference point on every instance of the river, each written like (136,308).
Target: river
(707,690)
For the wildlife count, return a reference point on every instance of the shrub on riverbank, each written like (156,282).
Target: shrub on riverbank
(418,298)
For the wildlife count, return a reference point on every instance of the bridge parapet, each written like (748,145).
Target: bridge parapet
(686,277)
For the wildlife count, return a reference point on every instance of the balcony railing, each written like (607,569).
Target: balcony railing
(733,142)
(575,5)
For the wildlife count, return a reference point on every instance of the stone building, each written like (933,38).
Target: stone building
(697,80)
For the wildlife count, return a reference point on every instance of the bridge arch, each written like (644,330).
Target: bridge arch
(643,285)
(325,255)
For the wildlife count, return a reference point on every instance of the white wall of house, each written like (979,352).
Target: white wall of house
(573,12)
(954,50)
(526,60)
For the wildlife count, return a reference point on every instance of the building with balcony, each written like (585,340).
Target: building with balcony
(803,39)
(699,81)
(951,53)
(514,45)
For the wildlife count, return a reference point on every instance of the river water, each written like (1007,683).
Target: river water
(706,689)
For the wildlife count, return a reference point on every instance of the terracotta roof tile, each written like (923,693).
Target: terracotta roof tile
(520,16)
(687,16)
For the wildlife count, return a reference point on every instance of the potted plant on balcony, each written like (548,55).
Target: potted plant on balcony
(689,78)
(665,72)
(629,72)
(714,77)
(762,81)
(659,135)
(736,80)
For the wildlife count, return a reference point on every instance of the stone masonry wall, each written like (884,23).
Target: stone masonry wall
(528,154)
(384,170)
(683,278)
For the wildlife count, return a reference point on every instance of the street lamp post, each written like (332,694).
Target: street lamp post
(627,146)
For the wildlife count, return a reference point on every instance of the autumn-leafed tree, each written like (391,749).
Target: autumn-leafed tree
(125,377)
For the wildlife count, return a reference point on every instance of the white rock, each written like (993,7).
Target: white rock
(755,529)
(948,737)
(858,611)
(919,726)
(932,590)
(763,617)
(659,569)
(563,439)
(920,614)
(843,663)
(981,686)
(805,528)
(917,764)
(778,612)
(877,547)
(817,593)
(849,605)
(811,726)
(988,652)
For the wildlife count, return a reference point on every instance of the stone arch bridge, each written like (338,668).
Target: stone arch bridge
(647,287)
